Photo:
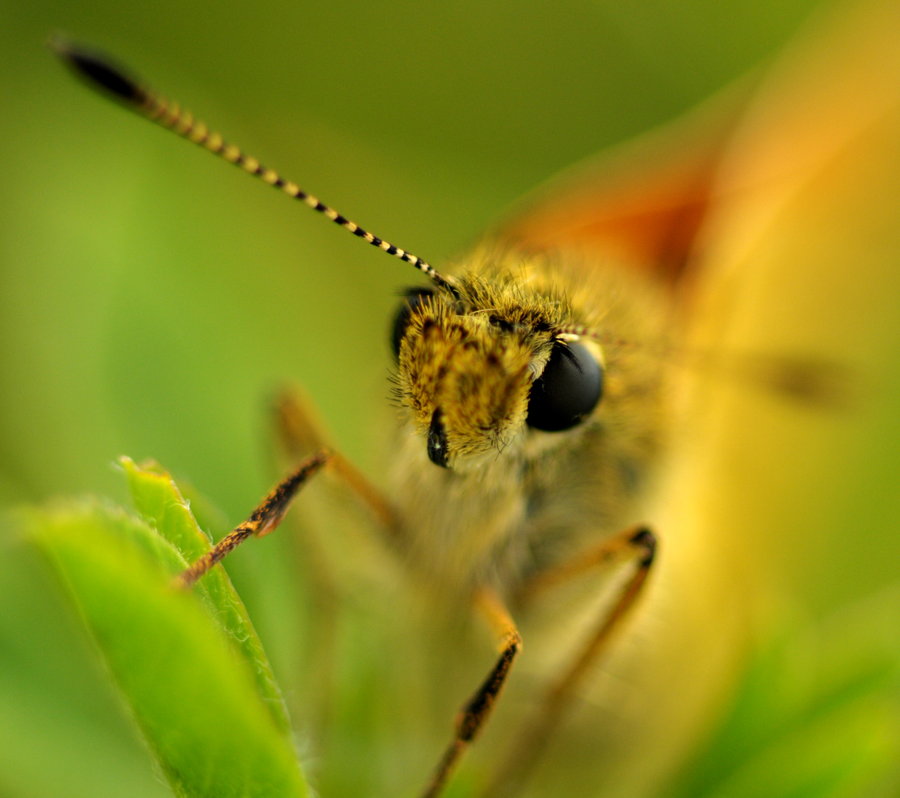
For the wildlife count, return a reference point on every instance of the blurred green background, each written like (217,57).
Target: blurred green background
(151,300)
(152,297)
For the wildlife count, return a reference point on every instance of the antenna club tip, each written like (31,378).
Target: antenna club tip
(96,69)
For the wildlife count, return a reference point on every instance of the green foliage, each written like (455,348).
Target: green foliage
(815,715)
(188,664)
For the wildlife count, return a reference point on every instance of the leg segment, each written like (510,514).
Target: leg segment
(604,554)
(262,520)
(476,710)
(640,544)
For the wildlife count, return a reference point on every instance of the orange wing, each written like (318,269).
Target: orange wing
(643,203)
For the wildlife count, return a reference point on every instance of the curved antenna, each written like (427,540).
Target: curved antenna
(102,75)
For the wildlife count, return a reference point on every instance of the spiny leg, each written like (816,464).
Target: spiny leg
(640,544)
(476,710)
(261,521)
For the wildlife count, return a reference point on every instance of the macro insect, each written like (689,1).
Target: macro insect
(534,402)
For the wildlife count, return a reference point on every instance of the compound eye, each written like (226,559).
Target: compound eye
(413,298)
(567,391)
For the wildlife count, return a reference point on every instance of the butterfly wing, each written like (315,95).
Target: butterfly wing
(644,203)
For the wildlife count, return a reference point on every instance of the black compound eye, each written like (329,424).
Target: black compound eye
(412,299)
(567,391)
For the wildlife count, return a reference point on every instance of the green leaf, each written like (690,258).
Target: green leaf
(159,502)
(196,696)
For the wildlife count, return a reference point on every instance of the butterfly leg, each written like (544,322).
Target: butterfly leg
(264,519)
(635,543)
(476,710)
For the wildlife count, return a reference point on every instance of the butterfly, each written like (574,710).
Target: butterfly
(500,491)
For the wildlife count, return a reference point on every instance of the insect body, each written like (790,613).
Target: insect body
(531,410)
(543,434)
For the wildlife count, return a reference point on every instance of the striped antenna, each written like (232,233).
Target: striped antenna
(102,75)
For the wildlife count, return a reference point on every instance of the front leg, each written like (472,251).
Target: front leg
(264,519)
(476,710)
(637,544)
